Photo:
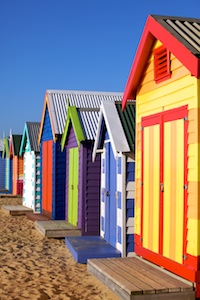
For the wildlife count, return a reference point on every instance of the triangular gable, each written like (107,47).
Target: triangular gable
(109,114)
(15,142)
(157,28)
(25,141)
(45,107)
(30,137)
(73,118)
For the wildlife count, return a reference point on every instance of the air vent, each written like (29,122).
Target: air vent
(161,64)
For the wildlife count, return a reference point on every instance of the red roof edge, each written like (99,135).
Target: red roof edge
(153,30)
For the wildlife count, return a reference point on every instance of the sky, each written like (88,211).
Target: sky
(69,45)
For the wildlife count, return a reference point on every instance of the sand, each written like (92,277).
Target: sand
(35,267)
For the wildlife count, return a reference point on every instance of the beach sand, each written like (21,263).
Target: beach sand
(35,267)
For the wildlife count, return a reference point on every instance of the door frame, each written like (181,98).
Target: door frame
(157,258)
(108,156)
(73,215)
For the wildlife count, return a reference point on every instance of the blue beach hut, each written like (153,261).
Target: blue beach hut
(115,140)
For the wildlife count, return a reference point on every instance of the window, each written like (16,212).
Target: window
(161,64)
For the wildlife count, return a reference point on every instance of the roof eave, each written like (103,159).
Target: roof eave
(152,31)
(45,106)
(72,116)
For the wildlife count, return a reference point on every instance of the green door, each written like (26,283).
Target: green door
(73,187)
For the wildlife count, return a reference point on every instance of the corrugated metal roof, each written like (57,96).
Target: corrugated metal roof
(16,142)
(89,121)
(58,100)
(186,30)
(1,144)
(33,131)
(127,118)
(120,126)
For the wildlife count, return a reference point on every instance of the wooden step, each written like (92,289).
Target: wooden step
(57,228)
(135,279)
(16,210)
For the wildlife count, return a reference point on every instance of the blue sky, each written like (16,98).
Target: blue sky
(69,44)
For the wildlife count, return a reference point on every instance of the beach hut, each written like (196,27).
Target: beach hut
(53,160)
(8,165)
(2,166)
(165,81)
(17,164)
(29,149)
(115,139)
(82,176)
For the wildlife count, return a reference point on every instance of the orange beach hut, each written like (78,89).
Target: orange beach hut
(165,81)
(17,163)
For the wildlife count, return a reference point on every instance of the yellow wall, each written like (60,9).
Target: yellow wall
(181,89)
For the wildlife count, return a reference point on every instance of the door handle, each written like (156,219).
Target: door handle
(162,187)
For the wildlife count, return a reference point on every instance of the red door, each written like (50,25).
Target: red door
(47,177)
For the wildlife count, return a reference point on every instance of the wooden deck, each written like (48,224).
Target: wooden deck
(57,229)
(16,210)
(37,217)
(136,279)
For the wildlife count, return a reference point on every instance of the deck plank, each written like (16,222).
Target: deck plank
(146,288)
(161,273)
(150,274)
(136,274)
(136,279)
(109,273)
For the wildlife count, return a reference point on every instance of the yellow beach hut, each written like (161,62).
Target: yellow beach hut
(165,81)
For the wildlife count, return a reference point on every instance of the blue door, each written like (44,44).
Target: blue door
(110,205)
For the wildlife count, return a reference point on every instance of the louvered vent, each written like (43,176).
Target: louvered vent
(161,64)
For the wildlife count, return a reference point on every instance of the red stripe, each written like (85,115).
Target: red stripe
(142,189)
(161,181)
(186,184)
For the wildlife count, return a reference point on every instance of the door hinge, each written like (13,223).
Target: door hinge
(185,187)
(184,256)
(141,239)
(142,183)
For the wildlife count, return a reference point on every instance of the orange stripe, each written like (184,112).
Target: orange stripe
(193,198)
(138,192)
(172,217)
(193,132)
(139,136)
(151,185)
